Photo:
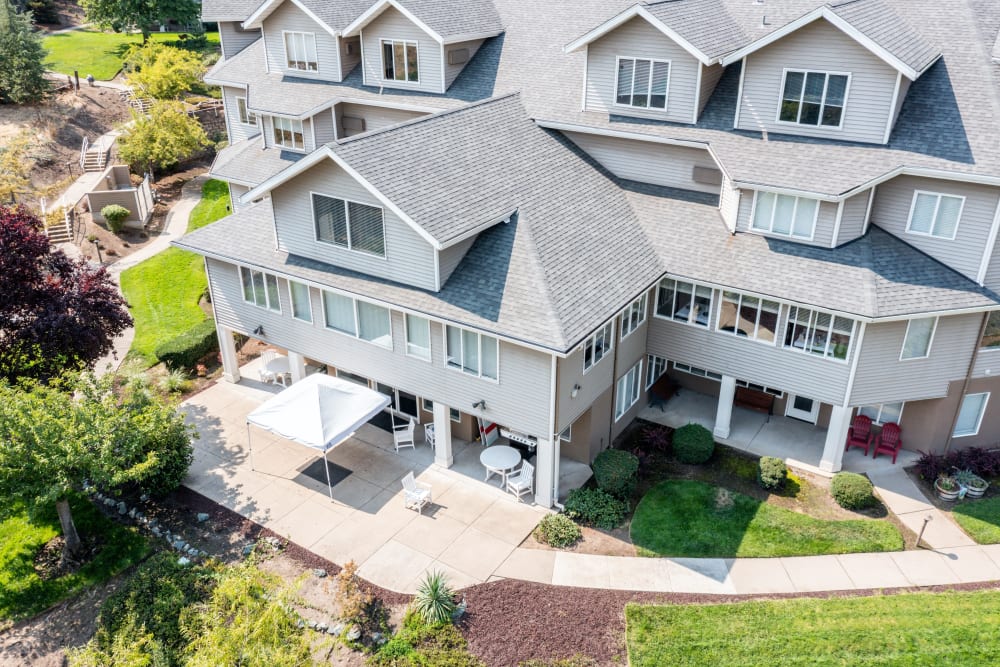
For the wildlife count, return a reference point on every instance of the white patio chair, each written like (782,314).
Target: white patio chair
(415,494)
(402,436)
(429,436)
(266,357)
(523,481)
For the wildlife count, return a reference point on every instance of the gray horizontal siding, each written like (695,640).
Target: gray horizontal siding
(520,399)
(819,46)
(904,88)
(375,116)
(451,257)
(451,72)
(987,363)
(730,202)
(391,24)
(235,192)
(881,377)
(852,219)
(826,221)
(237,130)
(709,78)
(593,383)
(658,164)
(323,127)
(891,211)
(638,39)
(409,258)
(234,38)
(289,17)
(350,54)
(125,198)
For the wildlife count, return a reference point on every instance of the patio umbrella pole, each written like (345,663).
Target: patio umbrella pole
(250,446)
(329,486)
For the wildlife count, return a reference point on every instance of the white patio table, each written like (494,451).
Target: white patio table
(280,369)
(499,459)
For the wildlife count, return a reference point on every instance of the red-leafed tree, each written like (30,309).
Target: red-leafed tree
(55,313)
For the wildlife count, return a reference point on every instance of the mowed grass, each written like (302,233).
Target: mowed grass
(980,519)
(688,518)
(100,53)
(22,592)
(914,629)
(163,292)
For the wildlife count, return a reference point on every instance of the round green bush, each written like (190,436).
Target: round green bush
(615,471)
(115,216)
(558,530)
(771,473)
(693,444)
(852,491)
(595,507)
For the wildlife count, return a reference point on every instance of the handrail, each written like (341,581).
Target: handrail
(83,152)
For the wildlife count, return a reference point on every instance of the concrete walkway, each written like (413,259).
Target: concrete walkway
(906,501)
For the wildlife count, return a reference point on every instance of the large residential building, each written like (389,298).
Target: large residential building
(528,212)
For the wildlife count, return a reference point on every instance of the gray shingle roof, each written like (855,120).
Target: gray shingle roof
(706,24)
(227,10)
(452,19)
(886,28)
(337,14)
(248,163)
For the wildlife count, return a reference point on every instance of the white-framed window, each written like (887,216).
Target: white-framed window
(813,98)
(970,416)
(288,133)
(883,413)
(748,316)
(567,434)
(684,302)
(427,404)
(918,338)
(359,319)
(655,368)
(418,337)
(349,224)
(816,332)
(260,289)
(633,315)
(455,415)
(598,346)
(473,353)
(628,389)
(247,117)
(935,214)
(399,61)
(760,387)
(642,83)
(694,370)
(784,215)
(300,51)
(301,304)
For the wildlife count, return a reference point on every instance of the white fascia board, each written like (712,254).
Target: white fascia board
(627,15)
(302,116)
(793,192)
(375,10)
(478,229)
(937,313)
(222,82)
(924,172)
(256,19)
(403,106)
(454,39)
(621,134)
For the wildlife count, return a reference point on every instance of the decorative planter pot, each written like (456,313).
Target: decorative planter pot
(973,492)
(945,494)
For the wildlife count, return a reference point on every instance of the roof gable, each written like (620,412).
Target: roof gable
(443,20)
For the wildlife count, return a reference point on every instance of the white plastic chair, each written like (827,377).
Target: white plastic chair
(402,436)
(266,357)
(415,494)
(429,436)
(523,481)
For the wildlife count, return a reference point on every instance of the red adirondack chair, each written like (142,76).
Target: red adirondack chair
(888,441)
(860,433)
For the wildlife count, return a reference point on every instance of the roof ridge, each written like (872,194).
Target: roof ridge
(544,291)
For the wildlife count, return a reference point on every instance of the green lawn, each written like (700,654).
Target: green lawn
(913,629)
(22,592)
(980,519)
(100,53)
(163,292)
(685,518)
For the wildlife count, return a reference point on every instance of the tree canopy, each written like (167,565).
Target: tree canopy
(141,15)
(162,72)
(22,75)
(56,313)
(161,139)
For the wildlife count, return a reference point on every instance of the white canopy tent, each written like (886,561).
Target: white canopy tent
(319,412)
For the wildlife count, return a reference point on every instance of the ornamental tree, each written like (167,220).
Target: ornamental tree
(162,72)
(56,313)
(132,15)
(162,139)
(22,75)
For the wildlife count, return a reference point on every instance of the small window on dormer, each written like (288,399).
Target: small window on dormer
(813,98)
(642,83)
(300,51)
(247,117)
(399,61)
(288,133)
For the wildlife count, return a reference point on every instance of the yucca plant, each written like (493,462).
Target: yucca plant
(435,600)
(174,381)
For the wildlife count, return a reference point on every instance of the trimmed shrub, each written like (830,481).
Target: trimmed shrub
(595,507)
(615,472)
(771,473)
(115,216)
(557,530)
(693,444)
(186,350)
(852,491)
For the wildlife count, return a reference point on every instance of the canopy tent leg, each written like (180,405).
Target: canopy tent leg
(329,486)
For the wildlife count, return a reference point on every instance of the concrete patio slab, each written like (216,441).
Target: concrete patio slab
(430,534)
(476,553)
(310,521)
(817,573)
(463,502)
(394,565)
(971,564)
(873,570)
(993,551)
(640,574)
(528,564)
(508,520)
(582,570)
(456,578)
(357,538)
(924,568)
(759,575)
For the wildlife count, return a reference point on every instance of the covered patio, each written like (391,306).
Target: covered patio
(468,530)
(799,443)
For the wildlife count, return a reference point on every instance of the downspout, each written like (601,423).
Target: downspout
(555,436)
(968,380)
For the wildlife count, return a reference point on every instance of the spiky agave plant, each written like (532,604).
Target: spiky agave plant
(435,600)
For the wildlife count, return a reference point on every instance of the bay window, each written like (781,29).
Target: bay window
(748,316)
(473,353)
(684,302)
(819,333)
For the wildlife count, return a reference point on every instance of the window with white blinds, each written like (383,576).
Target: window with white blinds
(360,319)
(642,83)
(349,224)
(934,214)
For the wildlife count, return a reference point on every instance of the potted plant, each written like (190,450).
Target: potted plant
(974,485)
(947,488)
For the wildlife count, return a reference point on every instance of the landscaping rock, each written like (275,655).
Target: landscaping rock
(182,561)
(122,507)
(156,531)
(247,550)
(202,517)
(109,501)
(319,572)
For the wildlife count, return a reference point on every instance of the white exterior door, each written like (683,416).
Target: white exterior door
(800,407)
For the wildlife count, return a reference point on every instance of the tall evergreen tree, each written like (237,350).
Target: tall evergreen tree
(22,75)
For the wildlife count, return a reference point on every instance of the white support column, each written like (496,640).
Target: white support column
(230,362)
(836,436)
(297,365)
(442,436)
(724,412)
(546,469)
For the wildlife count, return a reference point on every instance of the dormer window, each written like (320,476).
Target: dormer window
(399,61)
(813,98)
(300,51)
(288,133)
(349,224)
(642,83)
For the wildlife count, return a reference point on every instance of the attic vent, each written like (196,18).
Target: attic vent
(458,56)
(352,124)
(706,176)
